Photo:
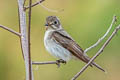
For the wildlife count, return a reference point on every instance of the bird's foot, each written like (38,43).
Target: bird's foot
(60,61)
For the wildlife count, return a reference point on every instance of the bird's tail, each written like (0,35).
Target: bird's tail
(99,67)
(87,59)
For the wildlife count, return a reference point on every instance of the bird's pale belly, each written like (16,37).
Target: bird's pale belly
(57,50)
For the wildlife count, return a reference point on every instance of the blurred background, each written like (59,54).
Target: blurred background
(85,20)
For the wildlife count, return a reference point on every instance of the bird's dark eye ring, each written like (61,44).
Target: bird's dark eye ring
(55,22)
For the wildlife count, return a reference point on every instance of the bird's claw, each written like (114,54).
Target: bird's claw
(60,61)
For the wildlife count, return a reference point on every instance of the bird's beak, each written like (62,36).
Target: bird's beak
(46,25)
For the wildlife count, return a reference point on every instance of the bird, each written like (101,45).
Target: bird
(61,45)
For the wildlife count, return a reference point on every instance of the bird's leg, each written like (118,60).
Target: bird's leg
(60,61)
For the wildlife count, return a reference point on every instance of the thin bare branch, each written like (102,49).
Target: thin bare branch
(42,63)
(34,4)
(24,3)
(51,10)
(24,40)
(57,62)
(94,45)
(10,30)
(29,39)
(97,54)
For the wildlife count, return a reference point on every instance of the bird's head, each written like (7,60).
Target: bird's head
(52,22)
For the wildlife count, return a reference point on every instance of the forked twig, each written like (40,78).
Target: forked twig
(97,54)
(94,45)
(39,2)
(34,4)
(10,30)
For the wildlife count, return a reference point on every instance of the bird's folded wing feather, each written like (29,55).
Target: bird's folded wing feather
(67,42)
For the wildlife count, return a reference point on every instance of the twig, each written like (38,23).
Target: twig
(97,54)
(24,3)
(94,45)
(10,30)
(41,63)
(34,4)
(48,62)
(51,10)
(29,48)
(24,40)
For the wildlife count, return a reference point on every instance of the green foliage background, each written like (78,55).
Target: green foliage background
(85,20)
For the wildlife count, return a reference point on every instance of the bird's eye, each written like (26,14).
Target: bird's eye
(55,22)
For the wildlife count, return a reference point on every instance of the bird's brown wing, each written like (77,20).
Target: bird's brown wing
(67,42)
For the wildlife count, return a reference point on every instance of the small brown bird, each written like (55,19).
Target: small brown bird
(61,45)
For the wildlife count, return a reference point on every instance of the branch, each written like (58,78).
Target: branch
(94,45)
(97,54)
(24,40)
(51,10)
(24,3)
(29,48)
(34,4)
(29,24)
(10,30)
(57,62)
